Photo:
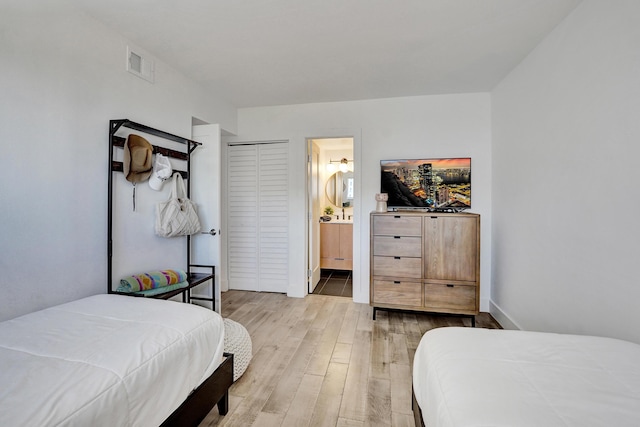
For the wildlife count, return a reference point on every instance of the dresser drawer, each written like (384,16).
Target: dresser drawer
(450,298)
(397,225)
(397,246)
(398,266)
(397,292)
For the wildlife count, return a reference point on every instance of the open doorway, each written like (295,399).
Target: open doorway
(331,193)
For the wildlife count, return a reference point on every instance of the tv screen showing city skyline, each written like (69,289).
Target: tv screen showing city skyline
(427,183)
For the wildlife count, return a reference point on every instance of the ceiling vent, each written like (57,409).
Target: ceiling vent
(140,63)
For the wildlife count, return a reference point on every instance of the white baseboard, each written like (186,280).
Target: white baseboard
(502,318)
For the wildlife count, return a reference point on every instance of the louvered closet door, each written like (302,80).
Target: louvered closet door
(258,217)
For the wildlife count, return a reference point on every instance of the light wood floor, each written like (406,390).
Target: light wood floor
(323,361)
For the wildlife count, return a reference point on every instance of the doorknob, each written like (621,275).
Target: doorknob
(213,232)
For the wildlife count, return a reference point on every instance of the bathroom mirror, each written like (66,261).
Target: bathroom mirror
(339,189)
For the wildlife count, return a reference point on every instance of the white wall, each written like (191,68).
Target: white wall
(433,126)
(62,78)
(565,196)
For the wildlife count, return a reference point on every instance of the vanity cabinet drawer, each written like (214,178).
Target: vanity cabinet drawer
(397,266)
(397,292)
(336,263)
(397,225)
(450,298)
(401,246)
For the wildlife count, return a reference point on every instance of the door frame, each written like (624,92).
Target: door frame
(357,209)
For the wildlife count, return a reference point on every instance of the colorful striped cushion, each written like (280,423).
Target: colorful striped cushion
(151,280)
(162,290)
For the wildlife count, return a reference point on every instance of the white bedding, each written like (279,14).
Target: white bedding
(106,360)
(482,377)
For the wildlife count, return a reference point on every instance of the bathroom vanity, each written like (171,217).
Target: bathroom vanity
(336,245)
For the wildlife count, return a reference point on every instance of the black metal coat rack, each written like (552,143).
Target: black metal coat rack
(194,279)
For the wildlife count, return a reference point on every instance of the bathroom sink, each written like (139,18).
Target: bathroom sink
(340,221)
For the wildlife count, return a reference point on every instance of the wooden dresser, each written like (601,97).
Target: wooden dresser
(425,261)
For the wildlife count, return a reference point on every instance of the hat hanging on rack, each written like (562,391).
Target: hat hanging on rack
(161,172)
(137,162)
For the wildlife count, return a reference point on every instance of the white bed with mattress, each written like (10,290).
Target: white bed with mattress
(105,360)
(487,377)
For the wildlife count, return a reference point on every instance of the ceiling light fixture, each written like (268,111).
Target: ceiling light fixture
(343,165)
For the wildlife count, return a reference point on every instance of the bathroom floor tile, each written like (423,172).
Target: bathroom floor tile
(335,282)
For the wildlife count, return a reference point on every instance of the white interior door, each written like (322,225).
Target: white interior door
(258,216)
(314,215)
(205,191)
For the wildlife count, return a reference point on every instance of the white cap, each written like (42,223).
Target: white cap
(161,172)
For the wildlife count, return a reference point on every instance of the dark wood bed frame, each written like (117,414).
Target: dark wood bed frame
(214,390)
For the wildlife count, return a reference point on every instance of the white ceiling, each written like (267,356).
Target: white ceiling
(275,52)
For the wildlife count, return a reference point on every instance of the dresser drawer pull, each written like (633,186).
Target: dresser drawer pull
(397,216)
(450,286)
(396,257)
(397,282)
(397,237)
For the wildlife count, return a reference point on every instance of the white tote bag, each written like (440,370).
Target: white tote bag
(177,216)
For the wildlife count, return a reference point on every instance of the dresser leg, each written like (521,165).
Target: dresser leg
(374,313)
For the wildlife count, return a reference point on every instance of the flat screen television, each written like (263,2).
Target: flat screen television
(429,184)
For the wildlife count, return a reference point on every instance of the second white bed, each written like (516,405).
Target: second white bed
(484,377)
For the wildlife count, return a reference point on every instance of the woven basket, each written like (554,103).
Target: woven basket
(238,342)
